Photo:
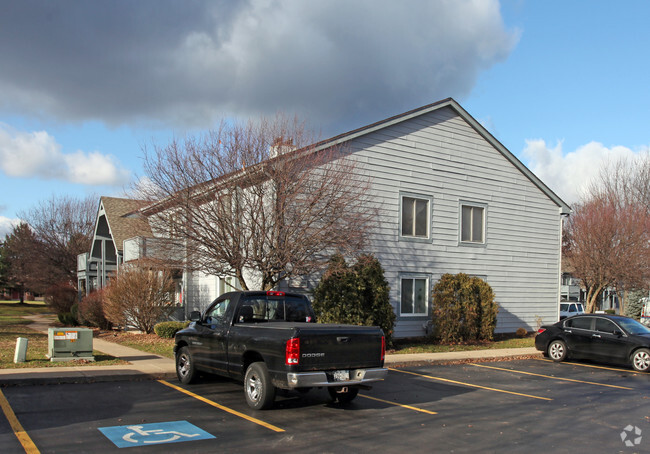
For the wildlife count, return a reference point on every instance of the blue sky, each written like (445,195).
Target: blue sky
(86,85)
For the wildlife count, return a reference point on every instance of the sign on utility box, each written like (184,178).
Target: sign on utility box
(69,344)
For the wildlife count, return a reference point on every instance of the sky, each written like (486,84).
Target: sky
(86,86)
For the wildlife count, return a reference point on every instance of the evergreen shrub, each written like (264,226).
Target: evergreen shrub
(168,329)
(355,295)
(463,309)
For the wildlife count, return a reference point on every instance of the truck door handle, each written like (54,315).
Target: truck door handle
(568,331)
(342,339)
(596,335)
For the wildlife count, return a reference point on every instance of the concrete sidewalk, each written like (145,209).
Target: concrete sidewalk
(145,366)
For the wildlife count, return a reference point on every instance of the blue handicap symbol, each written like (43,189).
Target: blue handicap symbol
(154,433)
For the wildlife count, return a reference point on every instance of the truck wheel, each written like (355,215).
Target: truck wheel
(185,370)
(342,395)
(259,391)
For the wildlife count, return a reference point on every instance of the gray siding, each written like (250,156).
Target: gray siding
(439,155)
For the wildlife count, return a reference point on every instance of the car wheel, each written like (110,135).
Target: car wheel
(344,395)
(259,391)
(641,360)
(557,350)
(185,370)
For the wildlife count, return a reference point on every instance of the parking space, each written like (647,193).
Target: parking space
(496,406)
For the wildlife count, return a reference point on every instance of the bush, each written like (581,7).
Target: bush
(61,298)
(463,309)
(356,295)
(521,332)
(91,311)
(168,330)
(139,296)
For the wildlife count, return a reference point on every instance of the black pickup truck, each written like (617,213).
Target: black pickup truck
(271,340)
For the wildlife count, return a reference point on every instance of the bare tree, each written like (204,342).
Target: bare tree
(258,197)
(140,296)
(64,227)
(607,238)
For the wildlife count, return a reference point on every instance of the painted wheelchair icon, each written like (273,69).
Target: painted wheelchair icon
(155,433)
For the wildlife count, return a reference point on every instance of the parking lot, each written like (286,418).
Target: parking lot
(514,406)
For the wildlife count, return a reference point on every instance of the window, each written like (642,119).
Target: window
(415,217)
(414,296)
(579,323)
(472,224)
(216,315)
(606,326)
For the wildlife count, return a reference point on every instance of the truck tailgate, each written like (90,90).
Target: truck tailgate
(330,347)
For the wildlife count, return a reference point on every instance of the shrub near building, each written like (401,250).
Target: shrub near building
(356,295)
(463,309)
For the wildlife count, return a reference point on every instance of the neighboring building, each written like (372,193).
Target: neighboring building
(453,199)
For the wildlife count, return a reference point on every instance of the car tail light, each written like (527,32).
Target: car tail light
(292,354)
(274,293)
(541,330)
(383,347)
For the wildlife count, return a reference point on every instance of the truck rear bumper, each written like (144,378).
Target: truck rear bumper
(356,377)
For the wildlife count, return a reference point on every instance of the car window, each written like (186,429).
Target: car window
(216,314)
(579,322)
(564,307)
(262,308)
(606,326)
(633,327)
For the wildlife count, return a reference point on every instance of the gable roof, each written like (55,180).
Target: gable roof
(123,220)
(451,103)
(348,136)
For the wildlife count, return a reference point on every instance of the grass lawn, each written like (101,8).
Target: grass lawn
(429,346)
(13,326)
(149,343)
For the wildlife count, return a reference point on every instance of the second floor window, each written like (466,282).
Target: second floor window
(472,224)
(415,217)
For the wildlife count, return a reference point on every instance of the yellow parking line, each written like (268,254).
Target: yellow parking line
(551,377)
(23,438)
(591,366)
(221,407)
(469,384)
(408,407)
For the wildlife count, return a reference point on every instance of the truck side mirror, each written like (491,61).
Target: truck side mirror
(195,316)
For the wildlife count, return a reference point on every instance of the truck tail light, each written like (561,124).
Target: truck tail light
(274,293)
(292,354)
(383,347)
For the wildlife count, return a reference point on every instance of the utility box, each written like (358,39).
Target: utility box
(70,344)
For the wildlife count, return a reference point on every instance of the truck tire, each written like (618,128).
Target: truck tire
(258,389)
(185,370)
(343,396)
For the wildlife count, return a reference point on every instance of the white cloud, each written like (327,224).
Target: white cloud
(38,155)
(570,174)
(6,226)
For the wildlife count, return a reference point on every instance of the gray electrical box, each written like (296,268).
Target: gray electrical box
(69,344)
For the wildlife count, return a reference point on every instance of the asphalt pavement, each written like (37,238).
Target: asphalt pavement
(146,366)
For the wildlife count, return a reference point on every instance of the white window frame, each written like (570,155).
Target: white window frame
(473,205)
(427,296)
(429,201)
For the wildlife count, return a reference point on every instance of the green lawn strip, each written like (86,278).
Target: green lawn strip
(150,343)
(431,347)
(12,327)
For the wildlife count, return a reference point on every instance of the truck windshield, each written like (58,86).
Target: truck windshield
(265,308)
